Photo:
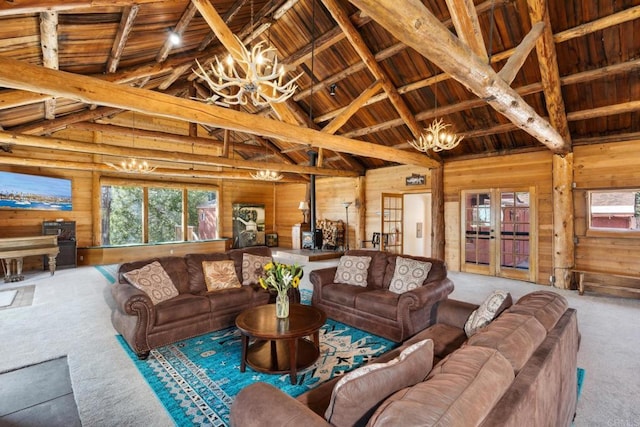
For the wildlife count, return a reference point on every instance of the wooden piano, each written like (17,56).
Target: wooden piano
(13,249)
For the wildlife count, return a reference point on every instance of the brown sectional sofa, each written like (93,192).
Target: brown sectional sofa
(520,370)
(194,311)
(376,309)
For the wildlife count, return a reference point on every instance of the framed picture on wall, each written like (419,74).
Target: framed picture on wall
(248,225)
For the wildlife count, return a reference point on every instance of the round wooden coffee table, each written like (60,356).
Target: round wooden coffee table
(280,345)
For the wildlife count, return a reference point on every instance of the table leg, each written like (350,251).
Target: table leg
(52,264)
(580,283)
(245,345)
(6,263)
(274,356)
(293,360)
(316,339)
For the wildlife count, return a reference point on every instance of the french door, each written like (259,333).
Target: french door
(498,230)
(392,224)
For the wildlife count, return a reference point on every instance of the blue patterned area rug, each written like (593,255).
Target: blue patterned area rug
(197,379)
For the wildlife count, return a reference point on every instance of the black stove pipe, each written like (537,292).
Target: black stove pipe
(317,234)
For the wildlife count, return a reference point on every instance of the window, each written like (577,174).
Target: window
(616,210)
(140,214)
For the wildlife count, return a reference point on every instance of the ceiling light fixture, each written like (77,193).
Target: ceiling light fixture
(256,78)
(266,175)
(133,165)
(436,137)
(332,89)
(174,38)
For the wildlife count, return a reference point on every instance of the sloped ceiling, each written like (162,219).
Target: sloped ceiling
(508,75)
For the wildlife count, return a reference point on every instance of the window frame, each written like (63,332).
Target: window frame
(611,232)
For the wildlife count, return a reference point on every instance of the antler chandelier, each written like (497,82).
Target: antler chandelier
(133,166)
(436,138)
(266,175)
(259,79)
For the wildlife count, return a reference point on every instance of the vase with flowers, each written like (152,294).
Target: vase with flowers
(280,278)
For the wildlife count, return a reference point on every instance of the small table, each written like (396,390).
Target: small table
(280,345)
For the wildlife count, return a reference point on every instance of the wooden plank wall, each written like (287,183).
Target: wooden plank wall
(287,199)
(597,167)
(508,172)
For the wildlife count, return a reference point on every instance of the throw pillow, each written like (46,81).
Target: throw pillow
(154,281)
(253,268)
(220,275)
(490,308)
(409,274)
(352,270)
(357,394)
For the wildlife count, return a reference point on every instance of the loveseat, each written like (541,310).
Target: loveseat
(373,301)
(195,306)
(519,370)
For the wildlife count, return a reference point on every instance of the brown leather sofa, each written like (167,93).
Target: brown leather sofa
(145,326)
(376,309)
(520,370)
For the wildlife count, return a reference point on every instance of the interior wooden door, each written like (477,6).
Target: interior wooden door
(392,224)
(498,226)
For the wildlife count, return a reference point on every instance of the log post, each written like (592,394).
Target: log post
(361,219)
(437,213)
(563,244)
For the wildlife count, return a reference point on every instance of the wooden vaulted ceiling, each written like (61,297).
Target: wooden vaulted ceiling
(509,75)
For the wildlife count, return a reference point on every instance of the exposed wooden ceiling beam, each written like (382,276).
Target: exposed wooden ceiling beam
(127,19)
(21,75)
(352,108)
(465,21)
(364,52)
(49,46)
(178,29)
(48,127)
(424,32)
(520,54)
(231,13)
(60,144)
(549,71)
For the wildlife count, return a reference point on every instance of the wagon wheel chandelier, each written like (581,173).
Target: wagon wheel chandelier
(253,76)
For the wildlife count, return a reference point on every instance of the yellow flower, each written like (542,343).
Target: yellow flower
(262,283)
(296,281)
(268,266)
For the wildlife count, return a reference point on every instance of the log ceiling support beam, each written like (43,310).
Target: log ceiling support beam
(49,46)
(178,29)
(465,21)
(516,61)
(426,34)
(127,19)
(21,75)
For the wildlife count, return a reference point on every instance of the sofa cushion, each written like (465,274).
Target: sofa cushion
(545,306)
(197,284)
(342,294)
(377,267)
(154,281)
(237,255)
(490,308)
(459,391)
(408,274)
(253,267)
(514,335)
(183,306)
(352,270)
(220,275)
(436,272)
(446,339)
(229,299)
(357,394)
(378,302)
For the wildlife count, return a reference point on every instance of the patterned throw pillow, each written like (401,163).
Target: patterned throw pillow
(352,270)
(154,281)
(409,274)
(220,275)
(253,268)
(488,310)
(357,394)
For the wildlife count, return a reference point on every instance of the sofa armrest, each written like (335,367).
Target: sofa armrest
(426,295)
(454,313)
(319,279)
(259,402)
(131,300)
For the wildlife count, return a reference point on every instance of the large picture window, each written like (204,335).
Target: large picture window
(157,214)
(614,210)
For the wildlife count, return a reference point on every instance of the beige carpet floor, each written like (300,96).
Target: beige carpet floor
(70,316)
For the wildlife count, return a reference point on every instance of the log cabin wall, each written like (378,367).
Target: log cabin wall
(598,167)
(287,199)
(506,172)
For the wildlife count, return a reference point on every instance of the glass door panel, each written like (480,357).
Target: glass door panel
(478,232)
(392,223)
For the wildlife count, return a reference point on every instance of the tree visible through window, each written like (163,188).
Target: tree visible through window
(122,210)
(617,210)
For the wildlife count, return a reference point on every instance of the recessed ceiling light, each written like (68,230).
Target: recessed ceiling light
(175,38)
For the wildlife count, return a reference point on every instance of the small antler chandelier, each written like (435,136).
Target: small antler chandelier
(436,138)
(259,79)
(267,175)
(133,166)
